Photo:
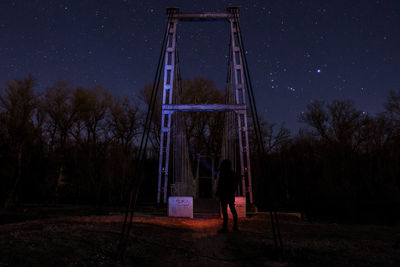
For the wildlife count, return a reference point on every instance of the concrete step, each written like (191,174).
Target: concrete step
(206,205)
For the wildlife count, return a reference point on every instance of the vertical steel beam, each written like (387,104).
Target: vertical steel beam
(244,150)
(166,116)
(240,98)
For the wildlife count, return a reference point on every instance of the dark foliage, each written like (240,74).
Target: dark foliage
(78,145)
(70,145)
(345,167)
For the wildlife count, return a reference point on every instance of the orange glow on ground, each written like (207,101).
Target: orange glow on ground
(199,227)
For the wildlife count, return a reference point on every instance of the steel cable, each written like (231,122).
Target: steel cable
(256,122)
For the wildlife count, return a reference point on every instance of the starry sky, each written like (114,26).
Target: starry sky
(297,51)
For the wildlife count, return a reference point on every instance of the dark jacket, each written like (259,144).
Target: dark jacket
(227,185)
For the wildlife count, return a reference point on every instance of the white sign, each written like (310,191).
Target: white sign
(180,207)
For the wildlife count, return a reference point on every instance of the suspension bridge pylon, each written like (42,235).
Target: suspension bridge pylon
(235,141)
(235,103)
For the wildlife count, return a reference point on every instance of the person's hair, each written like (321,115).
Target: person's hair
(226,166)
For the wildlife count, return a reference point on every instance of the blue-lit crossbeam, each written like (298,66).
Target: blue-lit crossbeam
(238,108)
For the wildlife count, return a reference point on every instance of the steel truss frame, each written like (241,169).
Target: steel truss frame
(242,83)
(168,108)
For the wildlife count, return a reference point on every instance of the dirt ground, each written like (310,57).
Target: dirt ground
(162,241)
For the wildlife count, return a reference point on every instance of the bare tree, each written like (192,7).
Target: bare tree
(123,121)
(336,123)
(392,107)
(317,117)
(59,121)
(90,106)
(18,105)
(123,126)
(89,133)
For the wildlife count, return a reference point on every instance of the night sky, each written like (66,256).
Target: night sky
(297,51)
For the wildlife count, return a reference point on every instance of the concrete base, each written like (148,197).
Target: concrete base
(240,206)
(251,209)
(180,207)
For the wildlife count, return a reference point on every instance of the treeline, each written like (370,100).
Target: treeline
(73,145)
(77,145)
(346,166)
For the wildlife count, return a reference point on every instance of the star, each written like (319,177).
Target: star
(292,49)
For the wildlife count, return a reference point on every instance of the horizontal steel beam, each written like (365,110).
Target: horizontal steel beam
(203,16)
(173,13)
(204,107)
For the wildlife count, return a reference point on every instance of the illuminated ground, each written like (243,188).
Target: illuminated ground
(162,241)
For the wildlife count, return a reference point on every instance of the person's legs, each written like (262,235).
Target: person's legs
(234,214)
(224,208)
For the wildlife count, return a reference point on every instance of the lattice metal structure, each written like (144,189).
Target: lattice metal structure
(235,105)
(235,139)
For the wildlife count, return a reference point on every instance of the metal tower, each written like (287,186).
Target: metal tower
(236,103)
(236,128)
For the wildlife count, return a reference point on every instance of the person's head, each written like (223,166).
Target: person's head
(226,166)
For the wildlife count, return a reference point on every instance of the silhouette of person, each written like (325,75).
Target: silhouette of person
(226,189)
